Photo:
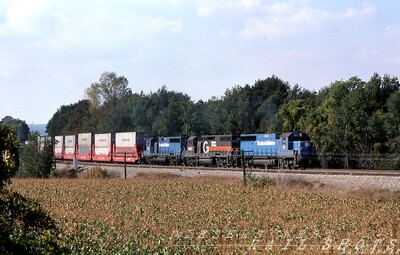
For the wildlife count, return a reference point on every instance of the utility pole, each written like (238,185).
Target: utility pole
(125,164)
(244,168)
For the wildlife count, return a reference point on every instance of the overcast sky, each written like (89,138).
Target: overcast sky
(51,50)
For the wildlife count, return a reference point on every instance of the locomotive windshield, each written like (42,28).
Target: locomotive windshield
(249,138)
(300,138)
(174,140)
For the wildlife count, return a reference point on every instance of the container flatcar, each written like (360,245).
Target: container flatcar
(103,147)
(129,146)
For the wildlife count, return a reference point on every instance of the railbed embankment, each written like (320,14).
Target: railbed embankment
(338,181)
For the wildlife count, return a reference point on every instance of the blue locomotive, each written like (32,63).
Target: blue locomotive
(164,150)
(278,150)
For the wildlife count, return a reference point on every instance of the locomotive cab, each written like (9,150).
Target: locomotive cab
(151,146)
(191,144)
(300,145)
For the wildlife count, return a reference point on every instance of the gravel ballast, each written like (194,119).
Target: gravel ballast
(341,182)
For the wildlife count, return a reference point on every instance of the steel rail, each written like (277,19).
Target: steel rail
(353,172)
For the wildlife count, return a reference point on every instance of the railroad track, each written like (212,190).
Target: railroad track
(351,172)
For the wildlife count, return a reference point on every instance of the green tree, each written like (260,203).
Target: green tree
(142,113)
(271,88)
(20,127)
(392,118)
(35,162)
(294,115)
(109,105)
(93,95)
(108,90)
(70,119)
(216,116)
(238,108)
(267,97)
(9,155)
(117,118)
(170,110)
(392,123)
(266,117)
(351,118)
(189,118)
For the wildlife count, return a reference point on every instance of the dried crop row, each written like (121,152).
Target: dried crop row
(205,215)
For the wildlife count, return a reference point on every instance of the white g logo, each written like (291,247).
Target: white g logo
(205,147)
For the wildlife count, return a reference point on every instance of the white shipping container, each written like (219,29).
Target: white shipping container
(126,139)
(70,144)
(102,144)
(70,141)
(85,139)
(59,142)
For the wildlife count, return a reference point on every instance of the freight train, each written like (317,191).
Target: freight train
(274,150)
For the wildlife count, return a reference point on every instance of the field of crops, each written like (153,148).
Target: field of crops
(167,215)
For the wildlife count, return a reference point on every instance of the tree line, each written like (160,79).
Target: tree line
(347,120)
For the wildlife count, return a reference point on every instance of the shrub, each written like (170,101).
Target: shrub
(9,155)
(35,162)
(259,181)
(94,172)
(25,228)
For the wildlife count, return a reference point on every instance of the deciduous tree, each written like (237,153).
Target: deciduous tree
(108,90)
(20,127)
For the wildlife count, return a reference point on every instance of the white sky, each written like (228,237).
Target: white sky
(51,50)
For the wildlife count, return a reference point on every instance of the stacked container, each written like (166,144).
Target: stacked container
(84,148)
(58,146)
(70,147)
(103,147)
